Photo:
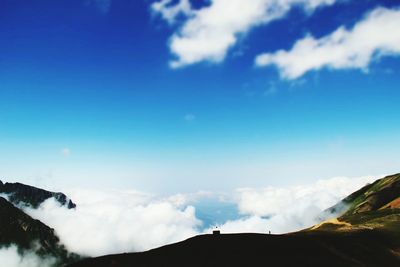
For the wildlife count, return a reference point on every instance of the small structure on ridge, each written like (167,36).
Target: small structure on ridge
(216,231)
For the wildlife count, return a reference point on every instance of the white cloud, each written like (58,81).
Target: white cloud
(375,36)
(209,32)
(252,224)
(115,222)
(293,208)
(170,12)
(66,152)
(11,258)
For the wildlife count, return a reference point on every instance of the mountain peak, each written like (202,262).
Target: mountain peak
(19,193)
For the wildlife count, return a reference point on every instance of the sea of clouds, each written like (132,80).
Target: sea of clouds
(107,222)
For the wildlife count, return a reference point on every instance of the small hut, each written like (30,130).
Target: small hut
(216,231)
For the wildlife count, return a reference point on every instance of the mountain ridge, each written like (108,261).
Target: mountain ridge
(373,196)
(375,206)
(18,193)
(365,233)
(234,250)
(18,228)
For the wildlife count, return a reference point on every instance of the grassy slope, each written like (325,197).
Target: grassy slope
(375,206)
(375,196)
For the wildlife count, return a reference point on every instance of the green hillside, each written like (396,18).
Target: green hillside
(376,206)
(382,194)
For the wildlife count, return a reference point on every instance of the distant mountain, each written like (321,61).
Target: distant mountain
(366,234)
(18,194)
(26,233)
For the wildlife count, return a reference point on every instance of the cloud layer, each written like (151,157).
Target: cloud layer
(107,222)
(209,32)
(283,210)
(113,222)
(375,36)
(10,257)
(170,13)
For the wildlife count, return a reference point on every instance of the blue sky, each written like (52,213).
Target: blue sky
(90,94)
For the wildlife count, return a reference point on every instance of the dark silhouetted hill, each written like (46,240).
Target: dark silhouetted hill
(18,228)
(364,248)
(18,193)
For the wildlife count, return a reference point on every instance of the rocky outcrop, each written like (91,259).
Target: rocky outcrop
(18,194)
